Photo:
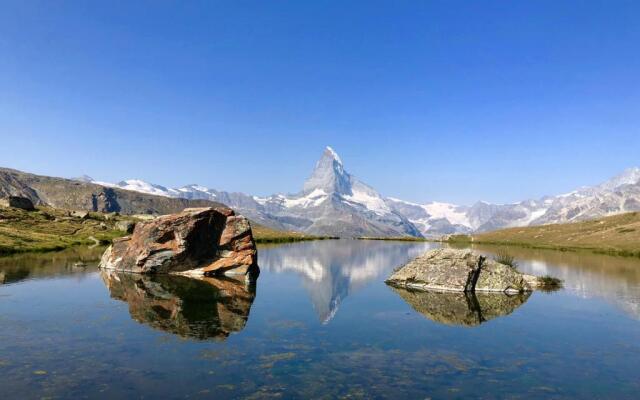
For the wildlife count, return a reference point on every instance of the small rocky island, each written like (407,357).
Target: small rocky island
(211,241)
(461,271)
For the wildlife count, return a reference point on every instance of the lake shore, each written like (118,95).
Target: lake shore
(615,235)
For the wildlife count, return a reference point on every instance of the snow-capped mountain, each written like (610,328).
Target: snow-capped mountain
(618,195)
(334,202)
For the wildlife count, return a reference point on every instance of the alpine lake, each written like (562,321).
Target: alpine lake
(319,323)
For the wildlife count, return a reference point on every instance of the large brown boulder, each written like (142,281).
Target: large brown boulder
(460,271)
(197,241)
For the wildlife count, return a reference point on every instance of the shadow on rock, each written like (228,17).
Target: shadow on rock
(462,308)
(202,308)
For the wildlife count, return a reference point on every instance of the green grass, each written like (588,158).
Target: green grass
(262,234)
(459,239)
(396,238)
(614,235)
(49,229)
(505,258)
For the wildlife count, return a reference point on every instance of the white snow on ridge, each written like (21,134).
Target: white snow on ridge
(261,200)
(314,198)
(447,211)
(370,202)
(404,202)
(535,214)
(105,184)
(334,155)
(138,185)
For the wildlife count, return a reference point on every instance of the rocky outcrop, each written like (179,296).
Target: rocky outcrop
(125,226)
(23,203)
(460,271)
(205,308)
(197,241)
(463,309)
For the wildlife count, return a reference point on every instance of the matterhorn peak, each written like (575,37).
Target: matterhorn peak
(329,150)
(329,175)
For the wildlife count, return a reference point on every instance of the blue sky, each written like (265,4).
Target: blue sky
(424,100)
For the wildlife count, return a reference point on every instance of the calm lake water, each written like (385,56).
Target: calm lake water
(319,323)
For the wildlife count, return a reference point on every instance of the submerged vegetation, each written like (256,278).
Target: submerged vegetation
(548,283)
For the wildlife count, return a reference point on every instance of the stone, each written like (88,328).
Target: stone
(111,216)
(22,203)
(462,308)
(80,214)
(198,241)
(197,308)
(125,226)
(459,271)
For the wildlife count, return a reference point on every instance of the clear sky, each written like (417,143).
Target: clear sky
(424,100)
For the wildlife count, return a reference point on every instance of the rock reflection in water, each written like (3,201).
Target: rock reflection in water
(459,308)
(203,308)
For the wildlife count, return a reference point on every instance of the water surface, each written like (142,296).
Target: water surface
(319,323)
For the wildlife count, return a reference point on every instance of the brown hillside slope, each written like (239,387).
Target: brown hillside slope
(618,234)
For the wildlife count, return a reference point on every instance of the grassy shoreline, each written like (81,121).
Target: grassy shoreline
(397,239)
(292,239)
(617,235)
(262,234)
(525,245)
(49,230)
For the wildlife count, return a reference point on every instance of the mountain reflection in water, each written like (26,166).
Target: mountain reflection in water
(332,270)
(203,308)
(458,308)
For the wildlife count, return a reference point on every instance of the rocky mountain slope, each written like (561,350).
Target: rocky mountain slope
(83,195)
(618,195)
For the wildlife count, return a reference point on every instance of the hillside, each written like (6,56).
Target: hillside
(49,229)
(618,234)
(77,195)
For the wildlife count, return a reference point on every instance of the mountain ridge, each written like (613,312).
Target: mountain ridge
(331,196)
(333,202)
